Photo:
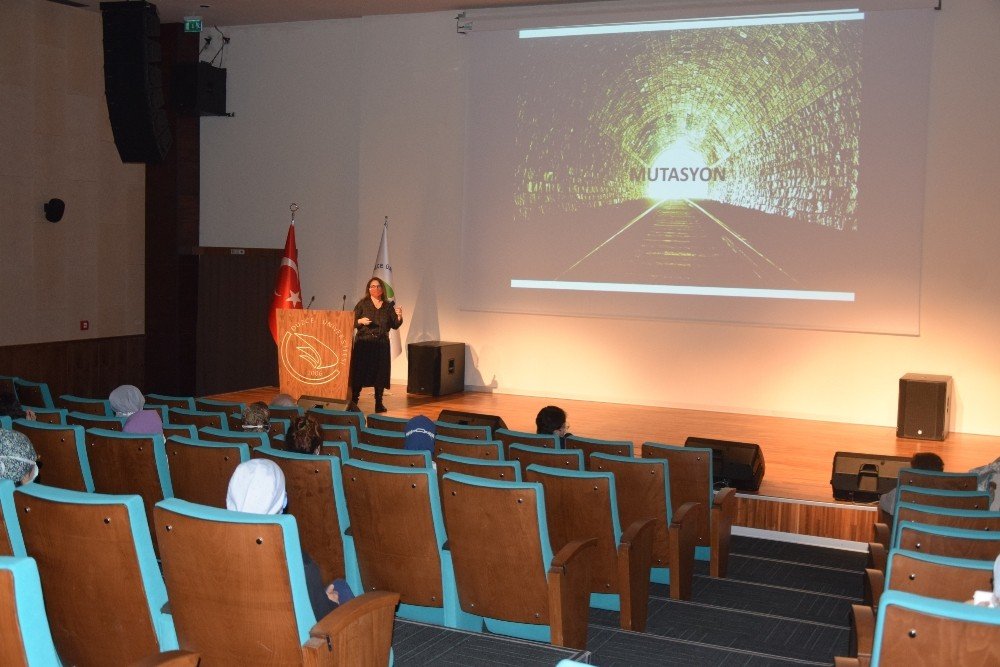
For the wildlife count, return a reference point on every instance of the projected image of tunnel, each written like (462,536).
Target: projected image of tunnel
(714,156)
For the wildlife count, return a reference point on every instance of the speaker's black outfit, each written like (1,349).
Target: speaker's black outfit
(370,362)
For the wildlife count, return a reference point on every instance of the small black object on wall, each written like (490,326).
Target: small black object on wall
(736,464)
(54,209)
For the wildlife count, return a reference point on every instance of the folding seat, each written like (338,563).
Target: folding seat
(315,489)
(278,426)
(259,613)
(388,439)
(63,452)
(464,431)
(509,437)
(342,432)
(88,420)
(921,574)
(915,630)
(399,538)
(579,505)
(197,418)
(200,470)
(11,542)
(385,423)
(691,481)
(966,543)
(33,394)
(888,537)
(184,402)
(490,450)
(127,463)
(504,565)
(49,415)
(180,430)
(526,455)
(250,438)
(337,417)
(502,471)
(590,445)
(25,638)
(103,592)
(288,412)
(92,406)
(391,456)
(957,500)
(644,490)
(213,405)
(333,448)
(933,479)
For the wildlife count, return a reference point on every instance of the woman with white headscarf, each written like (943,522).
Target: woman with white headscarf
(127,401)
(258,487)
(18,460)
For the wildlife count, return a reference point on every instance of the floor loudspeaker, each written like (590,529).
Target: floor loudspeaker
(736,464)
(435,367)
(864,477)
(471,419)
(133,82)
(924,406)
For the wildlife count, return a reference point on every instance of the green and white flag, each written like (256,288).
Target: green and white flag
(383,270)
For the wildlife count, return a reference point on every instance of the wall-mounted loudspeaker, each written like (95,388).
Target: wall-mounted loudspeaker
(133,83)
(924,406)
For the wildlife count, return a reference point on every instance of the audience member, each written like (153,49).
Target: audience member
(552,419)
(283,401)
(988,479)
(256,417)
(990,598)
(419,434)
(919,461)
(258,487)
(11,407)
(127,401)
(18,460)
(304,436)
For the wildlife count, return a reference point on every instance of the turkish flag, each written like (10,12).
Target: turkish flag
(287,291)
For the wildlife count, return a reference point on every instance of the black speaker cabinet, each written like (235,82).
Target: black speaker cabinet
(864,477)
(924,406)
(133,82)
(736,464)
(200,89)
(435,367)
(471,419)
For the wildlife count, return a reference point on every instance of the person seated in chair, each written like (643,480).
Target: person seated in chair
(18,460)
(11,407)
(258,487)
(256,417)
(919,461)
(552,419)
(127,401)
(304,436)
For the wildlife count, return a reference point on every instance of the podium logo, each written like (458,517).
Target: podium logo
(309,359)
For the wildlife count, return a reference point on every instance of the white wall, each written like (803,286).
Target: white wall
(399,85)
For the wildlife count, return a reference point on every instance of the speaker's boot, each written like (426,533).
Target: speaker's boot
(355,396)
(379,407)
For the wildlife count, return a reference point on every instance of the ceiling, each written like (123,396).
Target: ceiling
(245,12)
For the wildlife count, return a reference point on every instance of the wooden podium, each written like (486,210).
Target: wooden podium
(314,353)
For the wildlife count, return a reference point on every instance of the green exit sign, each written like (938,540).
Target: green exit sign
(192,24)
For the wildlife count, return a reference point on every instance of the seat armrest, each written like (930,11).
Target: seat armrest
(874,584)
(877,556)
(635,558)
(569,593)
(847,662)
(862,631)
(363,624)
(683,536)
(881,534)
(721,530)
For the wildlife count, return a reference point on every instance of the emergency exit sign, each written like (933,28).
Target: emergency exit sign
(192,24)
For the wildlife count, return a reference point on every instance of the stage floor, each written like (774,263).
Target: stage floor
(798,453)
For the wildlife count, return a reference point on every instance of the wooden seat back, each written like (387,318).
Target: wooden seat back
(258,613)
(122,463)
(386,423)
(316,500)
(341,432)
(487,450)
(33,394)
(25,639)
(509,437)
(180,430)
(214,405)
(959,500)
(391,456)
(937,577)
(49,415)
(250,438)
(377,438)
(931,479)
(197,418)
(397,528)
(62,453)
(185,402)
(463,431)
(337,417)
(502,471)
(103,591)
(100,407)
(288,412)
(591,445)
(690,477)
(941,516)
(946,541)
(200,471)
(88,420)
(526,455)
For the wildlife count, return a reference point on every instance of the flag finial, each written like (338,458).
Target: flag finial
(293,208)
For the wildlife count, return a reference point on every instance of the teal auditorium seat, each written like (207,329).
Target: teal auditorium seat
(213,405)
(315,490)
(959,500)
(502,471)
(89,420)
(946,541)
(224,612)
(379,438)
(463,431)
(933,479)
(582,504)
(337,448)
(200,470)
(491,450)
(251,438)
(399,537)
(33,394)
(63,452)
(11,541)
(186,402)
(49,415)
(504,565)
(337,417)
(526,455)
(509,437)
(197,418)
(387,423)
(100,407)
(288,412)
(591,445)
(346,433)
(25,638)
(103,590)
(406,458)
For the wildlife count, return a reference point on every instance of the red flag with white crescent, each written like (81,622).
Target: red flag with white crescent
(287,291)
